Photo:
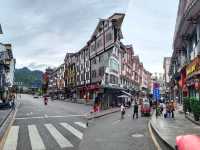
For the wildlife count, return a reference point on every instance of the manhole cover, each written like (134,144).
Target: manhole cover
(137,135)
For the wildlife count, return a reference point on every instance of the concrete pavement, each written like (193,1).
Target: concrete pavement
(111,133)
(168,128)
(59,125)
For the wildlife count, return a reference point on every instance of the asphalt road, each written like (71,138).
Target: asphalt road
(111,133)
(59,125)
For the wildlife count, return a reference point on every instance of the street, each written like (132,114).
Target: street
(62,125)
(59,125)
(112,133)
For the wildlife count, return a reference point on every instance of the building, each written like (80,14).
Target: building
(7,68)
(104,68)
(184,67)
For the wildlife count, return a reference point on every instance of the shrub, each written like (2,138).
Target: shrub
(195,106)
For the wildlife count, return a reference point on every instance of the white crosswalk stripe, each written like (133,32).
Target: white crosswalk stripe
(35,139)
(60,139)
(83,125)
(72,130)
(11,141)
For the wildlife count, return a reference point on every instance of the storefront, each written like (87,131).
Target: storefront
(193,78)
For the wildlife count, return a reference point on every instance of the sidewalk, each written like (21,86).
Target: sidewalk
(168,128)
(102,113)
(3,115)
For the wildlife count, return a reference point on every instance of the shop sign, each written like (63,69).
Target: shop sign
(193,67)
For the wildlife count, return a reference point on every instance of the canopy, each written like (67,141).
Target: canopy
(123,96)
(126,93)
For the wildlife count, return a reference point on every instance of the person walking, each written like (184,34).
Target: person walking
(172,109)
(45,100)
(13,102)
(122,111)
(135,111)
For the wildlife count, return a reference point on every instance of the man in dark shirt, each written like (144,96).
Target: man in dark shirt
(135,111)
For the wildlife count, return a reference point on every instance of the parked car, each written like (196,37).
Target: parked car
(145,109)
(187,142)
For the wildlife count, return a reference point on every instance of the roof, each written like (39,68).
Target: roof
(116,18)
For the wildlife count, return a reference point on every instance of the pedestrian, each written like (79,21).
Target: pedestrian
(45,100)
(172,109)
(122,110)
(135,111)
(13,102)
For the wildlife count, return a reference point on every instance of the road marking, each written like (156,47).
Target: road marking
(153,137)
(83,125)
(36,140)
(43,117)
(11,141)
(72,130)
(60,139)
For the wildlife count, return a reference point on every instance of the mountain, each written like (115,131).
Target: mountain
(28,78)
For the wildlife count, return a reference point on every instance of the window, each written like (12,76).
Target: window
(92,47)
(114,65)
(77,68)
(113,79)
(99,42)
(82,77)
(109,36)
(100,58)
(94,74)
(87,64)
(82,55)
(78,78)
(101,71)
(87,75)
(94,61)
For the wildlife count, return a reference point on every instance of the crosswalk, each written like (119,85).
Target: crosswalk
(36,138)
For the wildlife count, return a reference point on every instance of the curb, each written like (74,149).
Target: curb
(160,137)
(101,115)
(2,122)
(193,121)
(5,127)
(153,137)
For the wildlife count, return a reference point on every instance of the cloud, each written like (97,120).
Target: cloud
(149,25)
(42,31)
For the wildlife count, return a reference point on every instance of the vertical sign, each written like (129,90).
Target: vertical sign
(156,91)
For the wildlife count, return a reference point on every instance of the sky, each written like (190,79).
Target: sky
(43,31)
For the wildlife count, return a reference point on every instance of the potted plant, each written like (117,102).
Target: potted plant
(195,106)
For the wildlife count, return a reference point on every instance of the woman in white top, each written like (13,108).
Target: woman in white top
(122,111)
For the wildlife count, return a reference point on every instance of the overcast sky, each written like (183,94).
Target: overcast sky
(42,31)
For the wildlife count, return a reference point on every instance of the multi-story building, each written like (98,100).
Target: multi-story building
(184,67)
(70,74)
(104,68)
(7,68)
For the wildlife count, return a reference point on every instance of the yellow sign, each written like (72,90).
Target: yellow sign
(191,69)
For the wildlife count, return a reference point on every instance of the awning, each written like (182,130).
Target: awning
(123,96)
(127,93)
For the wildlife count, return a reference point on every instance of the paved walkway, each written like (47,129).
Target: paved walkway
(168,128)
